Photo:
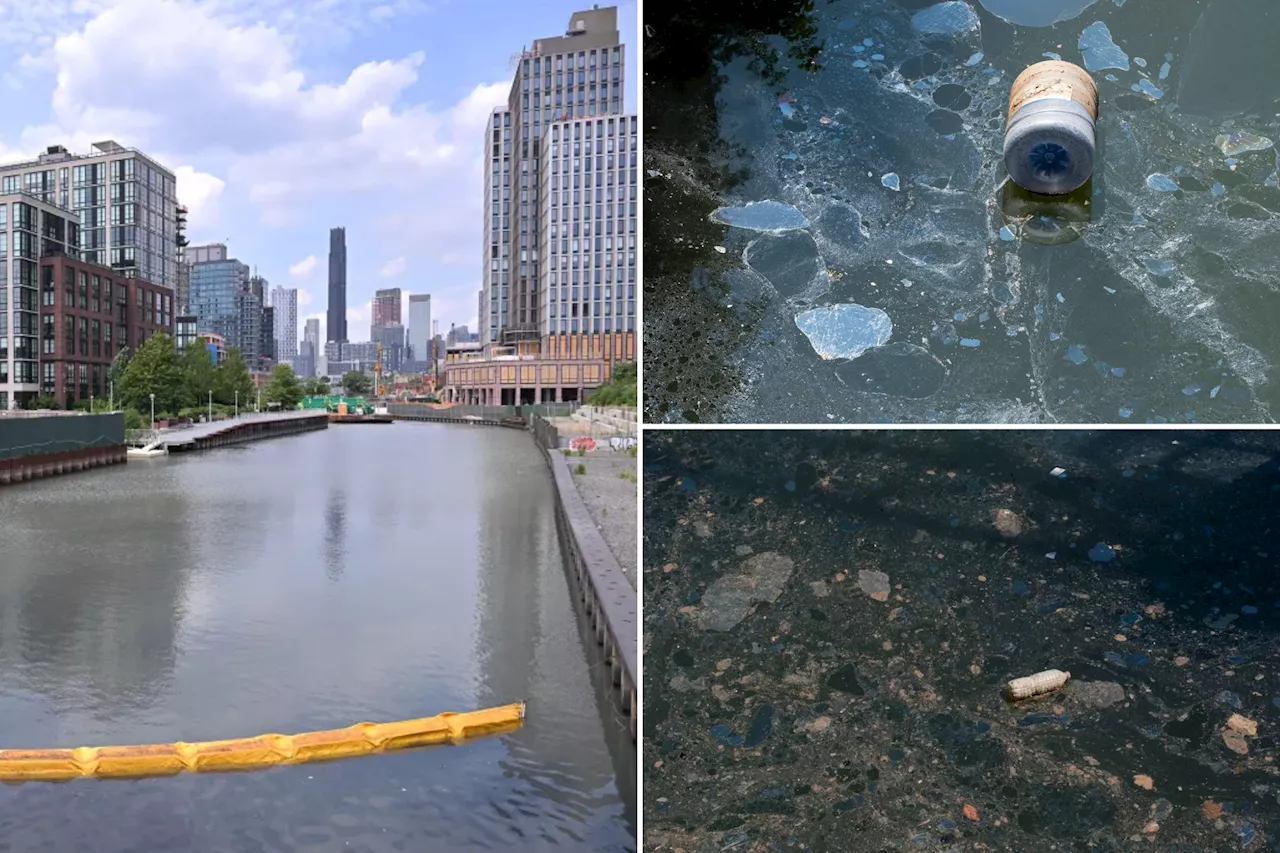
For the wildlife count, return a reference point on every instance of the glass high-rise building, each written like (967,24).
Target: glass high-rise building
(285,302)
(125,201)
(221,299)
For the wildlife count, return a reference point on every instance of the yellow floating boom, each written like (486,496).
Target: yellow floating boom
(253,753)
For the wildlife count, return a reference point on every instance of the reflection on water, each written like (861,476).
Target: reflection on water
(875,126)
(302,583)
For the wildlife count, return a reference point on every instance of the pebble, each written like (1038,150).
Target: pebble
(1181,660)
(1144,781)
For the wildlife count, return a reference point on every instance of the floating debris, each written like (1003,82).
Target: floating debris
(762,216)
(1143,781)
(727,601)
(1243,725)
(1149,89)
(1075,354)
(891,181)
(1099,51)
(1038,684)
(1102,553)
(1006,233)
(1158,267)
(1241,142)
(874,584)
(975,59)
(1036,13)
(1162,183)
(846,330)
(1164,71)
(972,343)
(946,19)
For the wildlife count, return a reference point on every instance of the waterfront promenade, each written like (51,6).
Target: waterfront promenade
(246,427)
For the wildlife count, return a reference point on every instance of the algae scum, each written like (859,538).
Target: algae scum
(830,620)
(872,185)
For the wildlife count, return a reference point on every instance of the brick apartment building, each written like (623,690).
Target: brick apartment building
(88,315)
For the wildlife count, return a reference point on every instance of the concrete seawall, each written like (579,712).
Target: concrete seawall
(32,447)
(604,597)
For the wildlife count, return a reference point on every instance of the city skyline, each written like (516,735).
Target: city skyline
(307,122)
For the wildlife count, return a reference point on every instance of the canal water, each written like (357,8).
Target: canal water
(830,237)
(310,582)
(830,619)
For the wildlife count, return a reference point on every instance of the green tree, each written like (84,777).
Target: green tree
(283,387)
(356,384)
(620,390)
(199,374)
(154,370)
(232,375)
(318,386)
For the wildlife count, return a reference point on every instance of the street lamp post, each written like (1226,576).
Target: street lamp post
(258,406)
(153,412)
(237,404)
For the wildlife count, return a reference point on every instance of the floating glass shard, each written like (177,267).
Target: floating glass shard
(1161,183)
(1241,142)
(970,342)
(1164,71)
(1075,354)
(1006,233)
(946,19)
(1140,62)
(1100,51)
(787,110)
(859,63)
(762,216)
(1146,87)
(892,182)
(974,60)
(1158,267)
(1036,13)
(846,330)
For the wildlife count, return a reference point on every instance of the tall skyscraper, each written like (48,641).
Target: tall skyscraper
(285,302)
(306,362)
(420,327)
(337,315)
(386,307)
(562,129)
(560,204)
(127,204)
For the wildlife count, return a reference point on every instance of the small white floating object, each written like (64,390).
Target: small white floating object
(1057,472)
(1038,684)
(721,249)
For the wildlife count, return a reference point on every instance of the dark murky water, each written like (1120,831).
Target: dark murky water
(302,583)
(873,130)
(830,619)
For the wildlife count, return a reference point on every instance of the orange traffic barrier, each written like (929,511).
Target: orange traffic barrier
(252,753)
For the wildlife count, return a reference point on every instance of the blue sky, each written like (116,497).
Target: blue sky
(283,119)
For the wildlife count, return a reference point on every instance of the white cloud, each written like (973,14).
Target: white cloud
(304,267)
(304,297)
(358,315)
(200,192)
(394,267)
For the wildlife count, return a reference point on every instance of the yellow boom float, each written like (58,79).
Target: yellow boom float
(170,759)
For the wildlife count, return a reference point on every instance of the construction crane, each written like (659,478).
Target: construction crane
(378,388)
